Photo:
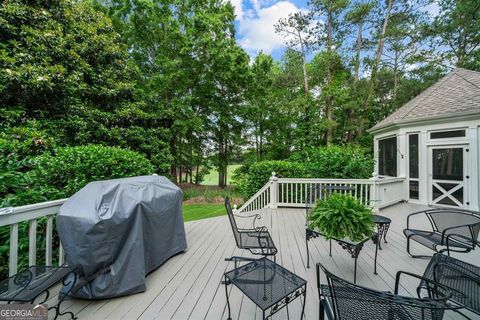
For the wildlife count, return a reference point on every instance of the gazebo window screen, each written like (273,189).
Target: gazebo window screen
(413,166)
(387,157)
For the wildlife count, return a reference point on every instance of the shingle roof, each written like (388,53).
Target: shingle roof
(456,93)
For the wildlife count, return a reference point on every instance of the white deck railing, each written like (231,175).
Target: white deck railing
(31,213)
(292,192)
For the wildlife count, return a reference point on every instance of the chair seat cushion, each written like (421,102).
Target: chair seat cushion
(432,239)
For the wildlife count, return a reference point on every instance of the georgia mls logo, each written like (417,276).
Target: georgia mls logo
(23,312)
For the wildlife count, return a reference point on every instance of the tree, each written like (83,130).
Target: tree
(67,73)
(332,11)
(456,33)
(297,29)
(357,16)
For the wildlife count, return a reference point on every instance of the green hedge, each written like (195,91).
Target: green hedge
(69,169)
(340,162)
(249,179)
(326,162)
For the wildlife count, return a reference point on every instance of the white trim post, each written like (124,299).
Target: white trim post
(273,191)
(374,194)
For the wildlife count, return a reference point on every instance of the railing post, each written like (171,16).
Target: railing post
(273,191)
(374,193)
(235,209)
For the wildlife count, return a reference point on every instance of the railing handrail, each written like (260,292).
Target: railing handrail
(254,197)
(323,180)
(30,212)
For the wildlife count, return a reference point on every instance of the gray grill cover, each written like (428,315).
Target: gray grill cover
(119,230)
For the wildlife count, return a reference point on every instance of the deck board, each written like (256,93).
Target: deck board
(188,285)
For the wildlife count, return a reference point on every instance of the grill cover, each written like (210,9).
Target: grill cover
(117,231)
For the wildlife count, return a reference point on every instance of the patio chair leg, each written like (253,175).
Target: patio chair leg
(322,310)
(228,302)
(308,254)
(376,254)
(415,255)
(355,272)
(303,303)
(330,247)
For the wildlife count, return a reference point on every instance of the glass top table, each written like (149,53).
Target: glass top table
(269,285)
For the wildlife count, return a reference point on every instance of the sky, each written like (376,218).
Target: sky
(255,20)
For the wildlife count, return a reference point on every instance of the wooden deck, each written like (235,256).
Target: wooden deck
(188,285)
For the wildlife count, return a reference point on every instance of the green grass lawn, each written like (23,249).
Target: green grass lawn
(211,179)
(201,211)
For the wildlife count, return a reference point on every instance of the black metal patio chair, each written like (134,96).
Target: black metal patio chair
(461,276)
(452,230)
(257,240)
(340,299)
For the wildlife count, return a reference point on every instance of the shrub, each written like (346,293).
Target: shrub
(66,171)
(341,162)
(341,216)
(259,173)
(325,162)
(17,148)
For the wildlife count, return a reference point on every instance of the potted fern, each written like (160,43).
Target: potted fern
(342,217)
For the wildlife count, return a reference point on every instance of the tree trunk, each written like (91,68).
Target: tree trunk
(378,56)
(304,64)
(329,81)
(190,161)
(395,77)
(356,76)
(173,166)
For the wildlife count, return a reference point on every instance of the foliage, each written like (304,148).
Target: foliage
(348,162)
(342,216)
(68,75)
(69,169)
(456,32)
(249,179)
(208,194)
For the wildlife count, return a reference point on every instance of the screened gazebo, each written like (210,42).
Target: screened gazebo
(433,142)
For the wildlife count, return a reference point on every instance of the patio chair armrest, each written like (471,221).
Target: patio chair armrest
(427,280)
(446,233)
(414,214)
(465,273)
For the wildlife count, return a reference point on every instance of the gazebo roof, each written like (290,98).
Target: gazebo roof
(455,94)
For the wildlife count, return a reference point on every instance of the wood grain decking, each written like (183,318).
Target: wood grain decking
(188,285)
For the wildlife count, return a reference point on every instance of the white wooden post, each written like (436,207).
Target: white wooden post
(374,193)
(273,191)
(235,210)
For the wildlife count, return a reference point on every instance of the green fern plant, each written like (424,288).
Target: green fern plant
(342,216)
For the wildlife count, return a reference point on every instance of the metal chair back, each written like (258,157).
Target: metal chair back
(233,223)
(446,220)
(348,299)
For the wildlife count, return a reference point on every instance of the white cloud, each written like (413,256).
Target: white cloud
(256,26)
(238,5)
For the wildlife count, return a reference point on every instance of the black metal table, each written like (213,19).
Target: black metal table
(29,284)
(383,224)
(269,285)
(353,247)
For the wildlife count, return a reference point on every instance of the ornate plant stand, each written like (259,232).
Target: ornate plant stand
(29,284)
(383,224)
(352,247)
(270,286)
